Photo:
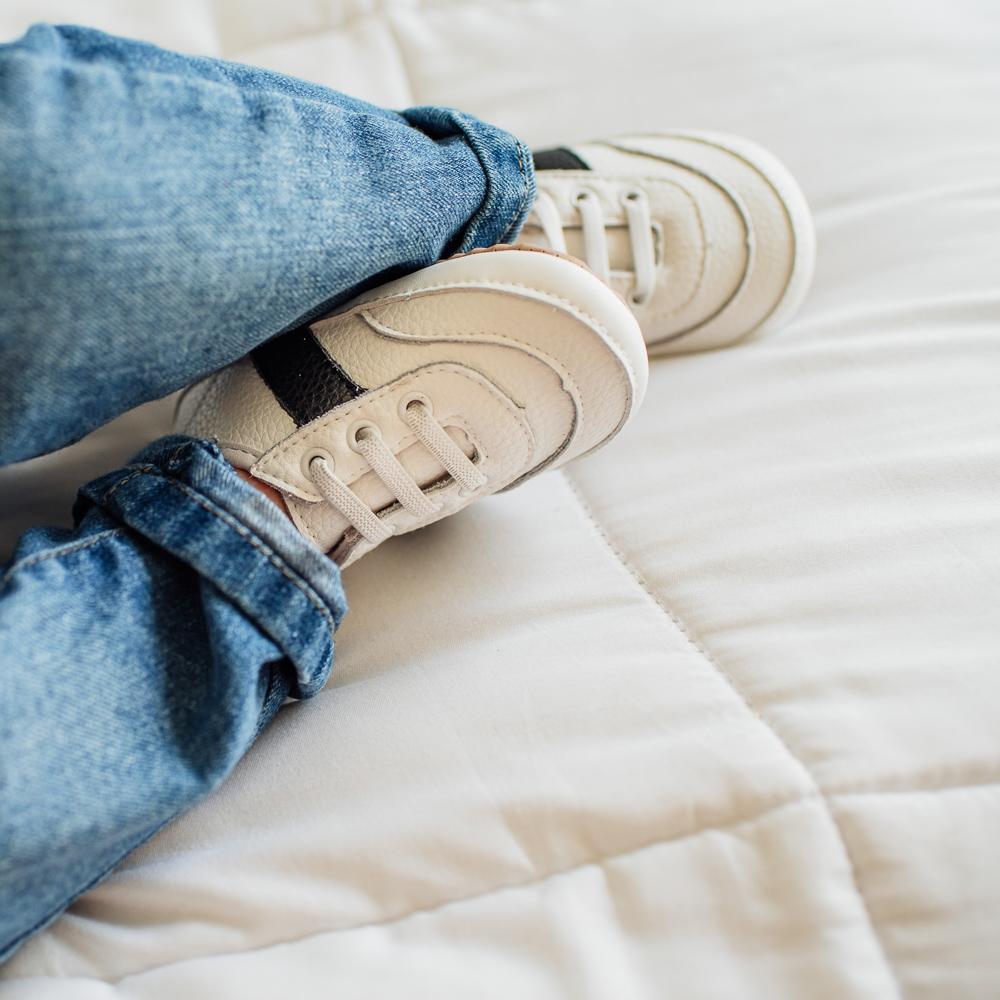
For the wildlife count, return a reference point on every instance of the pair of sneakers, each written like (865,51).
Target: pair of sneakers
(470,376)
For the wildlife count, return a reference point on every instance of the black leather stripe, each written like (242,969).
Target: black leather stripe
(304,379)
(558,159)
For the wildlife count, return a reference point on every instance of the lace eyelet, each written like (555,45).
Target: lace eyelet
(636,194)
(583,195)
(355,430)
(310,456)
(638,300)
(414,397)
(658,242)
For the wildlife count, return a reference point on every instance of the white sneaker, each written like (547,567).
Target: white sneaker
(707,236)
(402,407)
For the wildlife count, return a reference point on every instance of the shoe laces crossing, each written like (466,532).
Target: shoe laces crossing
(367,441)
(595,241)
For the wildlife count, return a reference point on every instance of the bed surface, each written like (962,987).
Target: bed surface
(713,713)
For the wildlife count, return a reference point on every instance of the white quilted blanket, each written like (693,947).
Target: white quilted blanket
(715,713)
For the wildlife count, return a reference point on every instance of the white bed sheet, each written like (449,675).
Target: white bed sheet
(713,713)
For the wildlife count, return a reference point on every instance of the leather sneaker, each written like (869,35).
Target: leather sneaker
(405,405)
(707,236)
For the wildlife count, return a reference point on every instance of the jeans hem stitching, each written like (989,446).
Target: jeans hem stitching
(64,550)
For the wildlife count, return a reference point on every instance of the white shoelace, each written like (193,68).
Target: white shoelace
(595,241)
(369,444)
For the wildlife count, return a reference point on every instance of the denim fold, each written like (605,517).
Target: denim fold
(182,495)
(142,653)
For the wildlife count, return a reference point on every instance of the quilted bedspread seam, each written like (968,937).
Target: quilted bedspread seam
(766,813)
(817,791)
(598,860)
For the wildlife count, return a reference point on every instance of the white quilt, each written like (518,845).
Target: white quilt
(714,713)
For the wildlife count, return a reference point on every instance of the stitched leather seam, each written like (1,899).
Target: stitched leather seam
(573,308)
(211,391)
(778,183)
(405,442)
(738,691)
(309,533)
(448,420)
(738,203)
(588,179)
(497,339)
(325,425)
(237,447)
(786,196)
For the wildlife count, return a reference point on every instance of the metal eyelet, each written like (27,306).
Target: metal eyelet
(314,453)
(355,430)
(414,397)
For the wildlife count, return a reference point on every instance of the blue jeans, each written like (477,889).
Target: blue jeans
(160,216)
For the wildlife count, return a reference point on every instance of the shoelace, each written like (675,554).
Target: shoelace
(595,242)
(368,442)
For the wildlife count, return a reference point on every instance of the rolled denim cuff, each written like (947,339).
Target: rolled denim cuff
(507,165)
(182,495)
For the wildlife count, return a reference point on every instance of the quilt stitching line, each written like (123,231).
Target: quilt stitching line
(767,812)
(991,783)
(818,791)
(987,776)
(627,852)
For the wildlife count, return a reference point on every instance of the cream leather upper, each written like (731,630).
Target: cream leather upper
(524,357)
(733,236)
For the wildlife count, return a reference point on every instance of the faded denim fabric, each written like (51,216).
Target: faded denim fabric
(160,216)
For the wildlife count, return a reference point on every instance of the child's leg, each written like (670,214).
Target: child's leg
(162,215)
